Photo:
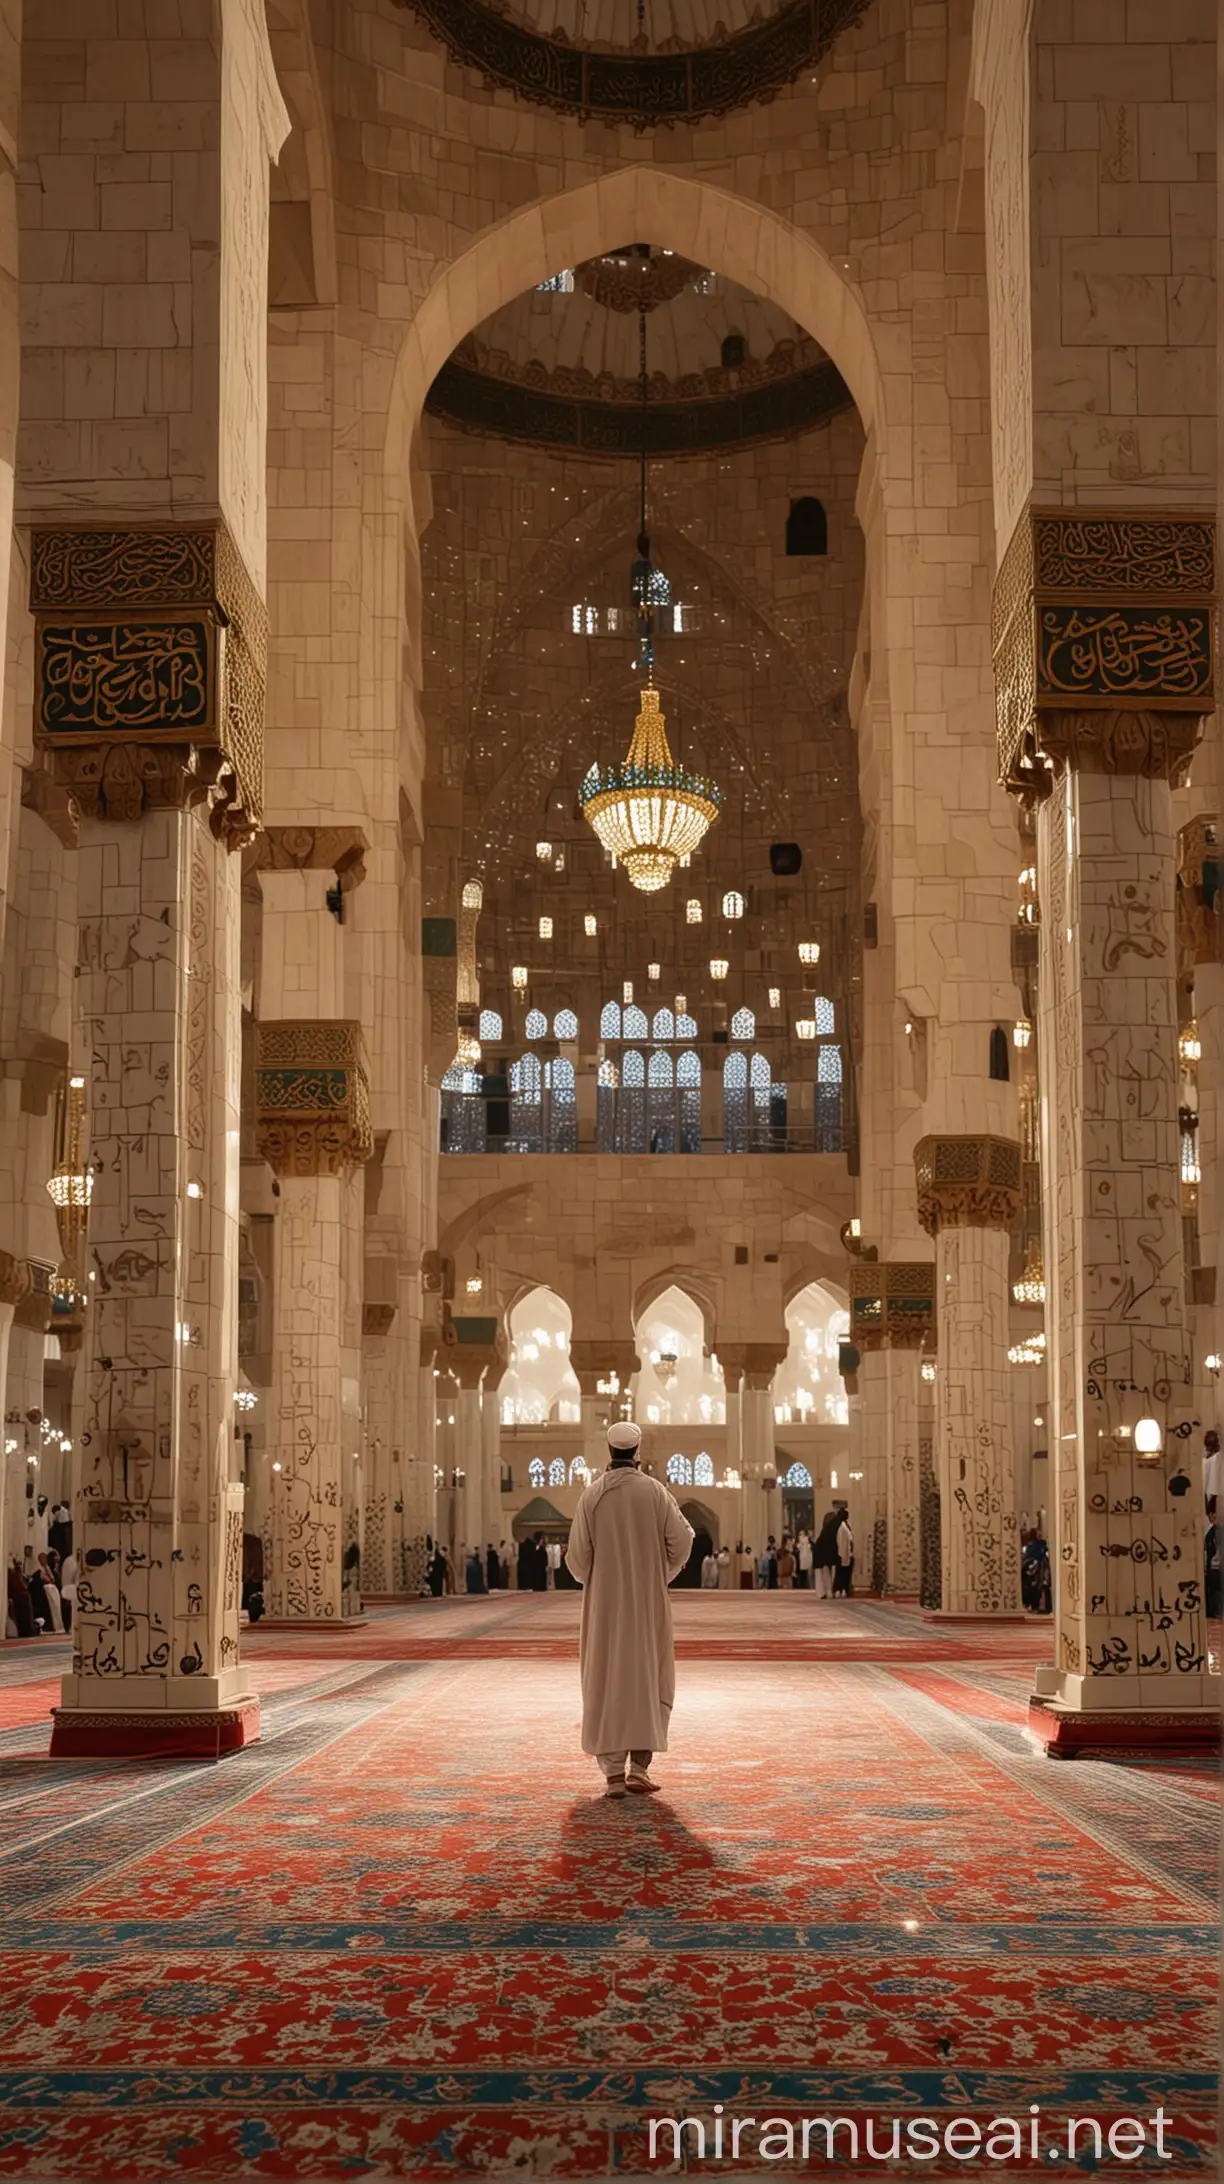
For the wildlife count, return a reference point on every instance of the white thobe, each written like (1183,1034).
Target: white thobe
(627,1542)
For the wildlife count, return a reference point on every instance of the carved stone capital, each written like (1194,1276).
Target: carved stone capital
(150,638)
(1103,612)
(892,1306)
(33,1308)
(312,1097)
(595,1360)
(341,850)
(968,1182)
(474,1345)
(16,1280)
(43,793)
(753,1363)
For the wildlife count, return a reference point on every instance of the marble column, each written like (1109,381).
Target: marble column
(1096,747)
(313,1129)
(903,1393)
(14,1285)
(470,1494)
(490,1454)
(1130,1633)
(968,1198)
(867,1493)
(159,1524)
(421,1513)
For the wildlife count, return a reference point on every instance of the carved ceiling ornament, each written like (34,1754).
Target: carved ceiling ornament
(1103,634)
(641,90)
(341,850)
(312,1097)
(968,1182)
(150,666)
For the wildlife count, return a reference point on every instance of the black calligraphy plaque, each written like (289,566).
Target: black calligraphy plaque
(1103,653)
(133,680)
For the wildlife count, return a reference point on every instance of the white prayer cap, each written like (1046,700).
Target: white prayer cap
(624,1436)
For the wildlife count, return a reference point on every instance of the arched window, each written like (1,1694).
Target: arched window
(807,527)
(743,1024)
(679,1471)
(735,1073)
(610,1020)
(735,1104)
(562,1134)
(464,1117)
(609,1075)
(688,1070)
(829,1065)
(636,1026)
(688,1086)
(556,1471)
(578,1468)
(733,905)
(664,1025)
(760,1075)
(537,1024)
(473,895)
(660,1071)
(565,1024)
(798,1476)
(822,1010)
(535,1471)
(526,1109)
(633,1069)
(686,1027)
(703,1470)
(459,1079)
(490,1026)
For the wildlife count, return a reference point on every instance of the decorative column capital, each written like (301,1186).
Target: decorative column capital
(595,1360)
(151,648)
(475,1344)
(1103,640)
(312,1097)
(753,1363)
(968,1182)
(892,1306)
(341,850)
(34,1308)
(16,1280)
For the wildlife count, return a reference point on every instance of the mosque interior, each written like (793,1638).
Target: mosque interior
(609,811)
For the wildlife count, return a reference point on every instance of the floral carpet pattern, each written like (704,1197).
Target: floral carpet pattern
(403,1937)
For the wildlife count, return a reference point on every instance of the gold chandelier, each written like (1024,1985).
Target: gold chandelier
(1030,1289)
(649,812)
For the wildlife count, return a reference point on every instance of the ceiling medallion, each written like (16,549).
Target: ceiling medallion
(649,812)
(640,90)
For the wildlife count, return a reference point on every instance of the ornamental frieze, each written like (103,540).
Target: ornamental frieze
(640,90)
(150,637)
(968,1182)
(1109,613)
(312,1098)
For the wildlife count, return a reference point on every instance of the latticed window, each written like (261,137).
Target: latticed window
(464,1113)
(664,1024)
(679,1471)
(686,1027)
(565,1024)
(634,1023)
(743,1024)
(822,1010)
(829,1065)
(703,1470)
(490,1025)
(562,1122)
(537,1024)
(556,1471)
(526,1106)
(610,1020)
(798,1476)
(535,1471)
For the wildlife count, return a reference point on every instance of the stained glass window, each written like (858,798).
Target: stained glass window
(679,1471)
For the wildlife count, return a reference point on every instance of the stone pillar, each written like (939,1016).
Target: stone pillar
(866,1495)
(162,794)
(421,1513)
(14,1285)
(968,1198)
(1097,744)
(490,1455)
(470,1494)
(903,1400)
(313,1129)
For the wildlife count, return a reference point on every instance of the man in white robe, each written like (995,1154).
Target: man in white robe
(627,1542)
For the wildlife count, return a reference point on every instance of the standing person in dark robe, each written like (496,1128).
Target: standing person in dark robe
(475,1577)
(437,1573)
(629,1539)
(539,1564)
(20,1606)
(492,1568)
(824,1555)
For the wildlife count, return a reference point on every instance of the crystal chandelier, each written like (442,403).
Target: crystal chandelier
(649,812)
(1030,1289)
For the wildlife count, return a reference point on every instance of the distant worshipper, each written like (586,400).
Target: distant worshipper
(626,1544)
(475,1577)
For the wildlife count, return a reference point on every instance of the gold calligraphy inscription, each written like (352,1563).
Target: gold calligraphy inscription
(1106,653)
(152,677)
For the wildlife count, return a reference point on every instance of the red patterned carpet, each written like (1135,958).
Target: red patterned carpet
(402,1937)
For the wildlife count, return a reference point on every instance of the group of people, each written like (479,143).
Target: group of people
(533,1565)
(798,1563)
(41,1590)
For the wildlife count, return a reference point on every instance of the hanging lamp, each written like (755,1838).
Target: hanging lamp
(649,813)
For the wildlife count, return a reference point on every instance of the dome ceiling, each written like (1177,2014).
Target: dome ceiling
(560,366)
(595,58)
